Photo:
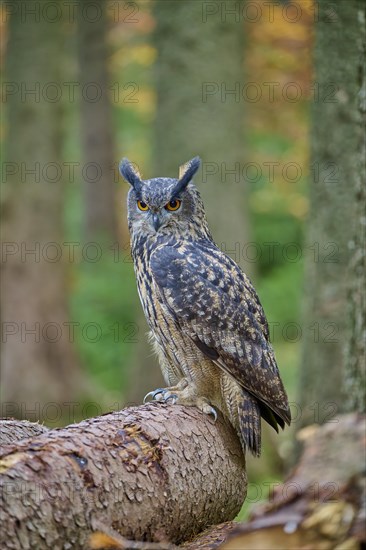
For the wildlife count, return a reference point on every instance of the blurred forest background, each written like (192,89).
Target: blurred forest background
(238,83)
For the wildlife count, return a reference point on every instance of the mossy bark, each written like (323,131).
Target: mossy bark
(335,234)
(355,351)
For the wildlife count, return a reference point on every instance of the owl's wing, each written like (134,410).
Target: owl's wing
(214,303)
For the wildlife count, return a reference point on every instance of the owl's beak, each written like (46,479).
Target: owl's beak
(156,221)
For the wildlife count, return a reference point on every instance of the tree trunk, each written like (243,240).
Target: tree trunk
(199,60)
(334,263)
(100,217)
(38,360)
(158,473)
(355,353)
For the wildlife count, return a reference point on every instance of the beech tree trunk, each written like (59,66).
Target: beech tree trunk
(355,350)
(38,361)
(100,215)
(332,379)
(197,114)
(158,473)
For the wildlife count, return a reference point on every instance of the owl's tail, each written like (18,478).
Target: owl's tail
(250,423)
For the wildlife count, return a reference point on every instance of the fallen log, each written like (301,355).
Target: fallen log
(153,473)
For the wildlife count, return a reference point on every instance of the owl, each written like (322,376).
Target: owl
(206,321)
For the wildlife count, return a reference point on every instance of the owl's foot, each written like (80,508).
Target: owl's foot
(154,395)
(184,394)
(164,394)
(203,405)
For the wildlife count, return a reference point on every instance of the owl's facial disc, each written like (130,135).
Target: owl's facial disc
(166,206)
(156,206)
(156,216)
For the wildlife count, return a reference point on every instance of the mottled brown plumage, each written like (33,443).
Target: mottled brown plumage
(207,324)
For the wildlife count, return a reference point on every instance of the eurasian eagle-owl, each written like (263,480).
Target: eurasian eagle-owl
(208,326)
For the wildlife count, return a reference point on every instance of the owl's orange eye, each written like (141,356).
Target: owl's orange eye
(173,205)
(142,206)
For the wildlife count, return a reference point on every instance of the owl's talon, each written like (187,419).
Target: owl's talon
(213,412)
(153,394)
(173,397)
(146,396)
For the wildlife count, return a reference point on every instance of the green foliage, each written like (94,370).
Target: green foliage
(279,239)
(280,294)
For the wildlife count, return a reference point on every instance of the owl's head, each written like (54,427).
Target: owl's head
(165,205)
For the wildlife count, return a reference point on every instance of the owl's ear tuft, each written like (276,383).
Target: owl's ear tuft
(130,173)
(186,173)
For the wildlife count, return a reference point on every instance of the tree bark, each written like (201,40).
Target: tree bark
(334,263)
(211,538)
(355,351)
(38,363)
(100,217)
(15,430)
(196,114)
(158,473)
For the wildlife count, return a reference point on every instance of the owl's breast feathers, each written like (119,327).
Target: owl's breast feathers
(213,303)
